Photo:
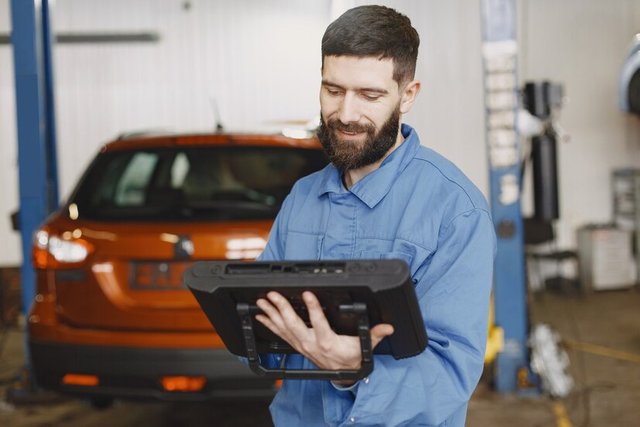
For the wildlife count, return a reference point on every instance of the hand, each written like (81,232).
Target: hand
(319,343)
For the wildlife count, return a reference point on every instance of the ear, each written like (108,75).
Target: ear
(409,93)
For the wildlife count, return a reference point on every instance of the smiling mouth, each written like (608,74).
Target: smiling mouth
(348,133)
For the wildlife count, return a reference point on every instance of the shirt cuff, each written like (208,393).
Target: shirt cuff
(353,388)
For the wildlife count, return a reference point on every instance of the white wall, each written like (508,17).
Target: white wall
(10,247)
(260,59)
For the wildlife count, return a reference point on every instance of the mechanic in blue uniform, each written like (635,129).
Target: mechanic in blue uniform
(384,195)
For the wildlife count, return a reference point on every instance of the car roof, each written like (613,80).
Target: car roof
(232,139)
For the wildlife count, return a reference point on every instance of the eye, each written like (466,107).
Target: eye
(333,91)
(371,96)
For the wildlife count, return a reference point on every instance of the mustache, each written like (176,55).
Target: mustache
(335,124)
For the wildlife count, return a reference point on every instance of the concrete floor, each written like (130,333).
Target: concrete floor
(607,380)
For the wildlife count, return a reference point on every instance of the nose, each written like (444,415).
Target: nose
(349,111)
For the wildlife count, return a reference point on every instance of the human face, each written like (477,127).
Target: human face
(361,105)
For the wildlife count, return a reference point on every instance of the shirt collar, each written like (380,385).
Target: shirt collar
(373,187)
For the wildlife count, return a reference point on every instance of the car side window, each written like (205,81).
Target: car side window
(131,188)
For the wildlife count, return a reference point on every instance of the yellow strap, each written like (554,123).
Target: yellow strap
(602,351)
(561,414)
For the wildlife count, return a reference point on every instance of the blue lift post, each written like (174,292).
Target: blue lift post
(31,40)
(50,111)
(500,51)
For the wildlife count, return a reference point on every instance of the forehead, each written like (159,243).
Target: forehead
(353,72)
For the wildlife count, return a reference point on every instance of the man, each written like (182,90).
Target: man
(383,196)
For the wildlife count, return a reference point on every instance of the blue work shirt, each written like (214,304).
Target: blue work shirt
(419,207)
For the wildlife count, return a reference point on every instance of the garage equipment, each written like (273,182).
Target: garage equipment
(629,85)
(541,98)
(38,175)
(606,261)
(500,53)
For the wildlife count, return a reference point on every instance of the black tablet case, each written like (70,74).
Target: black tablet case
(383,286)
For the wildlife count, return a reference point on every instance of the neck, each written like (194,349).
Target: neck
(352,176)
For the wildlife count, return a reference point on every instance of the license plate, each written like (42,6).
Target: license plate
(157,275)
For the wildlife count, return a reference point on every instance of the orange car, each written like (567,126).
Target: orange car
(111,317)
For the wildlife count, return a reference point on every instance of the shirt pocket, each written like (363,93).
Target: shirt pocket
(404,256)
(302,246)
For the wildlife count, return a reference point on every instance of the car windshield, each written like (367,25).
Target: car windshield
(203,183)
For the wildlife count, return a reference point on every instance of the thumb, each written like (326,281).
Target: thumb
(378,333)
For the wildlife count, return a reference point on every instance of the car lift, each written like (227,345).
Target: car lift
(38,174)
(499,53)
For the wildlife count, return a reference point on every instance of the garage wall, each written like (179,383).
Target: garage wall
(10,247)
(260,61)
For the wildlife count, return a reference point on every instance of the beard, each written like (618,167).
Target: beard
(348,155)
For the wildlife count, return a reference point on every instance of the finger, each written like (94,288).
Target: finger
(317,317)
(267,308)
(290,318)
(271,312)
(379,332)
(268,324)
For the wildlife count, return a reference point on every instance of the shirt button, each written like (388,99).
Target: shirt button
(366,380)
(352,420)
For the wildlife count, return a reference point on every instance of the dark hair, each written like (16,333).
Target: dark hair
(374,31)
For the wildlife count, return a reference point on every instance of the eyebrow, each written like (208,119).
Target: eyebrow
(326,82)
